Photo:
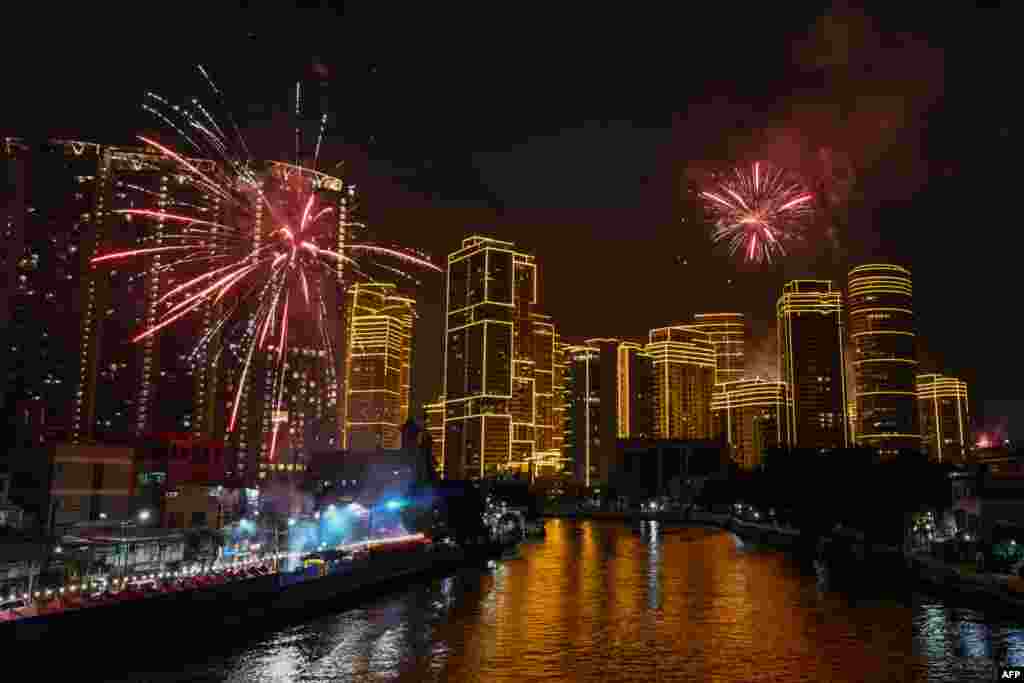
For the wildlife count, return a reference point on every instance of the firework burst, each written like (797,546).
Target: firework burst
(223,257)
(758,210)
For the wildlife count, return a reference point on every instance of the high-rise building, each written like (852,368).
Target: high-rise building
(851,417)
(727,332)
(811,343)
(76,352)
(434,423)
(493,341)
(884,357)
(634,390)
(608,397)
(560,399)
(751,414)
(583,411)
(286,415)
(47,203)
(547,452)
(379,351)
(683,377)
(945,421)
(80,354)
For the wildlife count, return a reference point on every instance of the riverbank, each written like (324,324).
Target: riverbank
(255,602)
(994,591)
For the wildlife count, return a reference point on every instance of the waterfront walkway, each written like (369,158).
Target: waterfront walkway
(106,592)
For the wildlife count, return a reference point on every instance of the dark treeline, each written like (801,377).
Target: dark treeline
(814,492)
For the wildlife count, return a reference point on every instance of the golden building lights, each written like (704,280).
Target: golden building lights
(560,395)
(608,397)
(884,357)
(811,343)
(727,332)
(379,349)
(583,408)
(944,416)
(752,415)
(683,359)
(493,341)
(547,453)
(434,414)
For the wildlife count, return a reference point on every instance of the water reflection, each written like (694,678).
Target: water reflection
(606,602)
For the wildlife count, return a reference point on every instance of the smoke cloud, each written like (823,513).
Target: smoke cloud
(762,357)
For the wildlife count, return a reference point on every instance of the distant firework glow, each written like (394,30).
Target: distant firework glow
(758,210)
(250,280)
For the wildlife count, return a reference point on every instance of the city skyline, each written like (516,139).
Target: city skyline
(725,332)
(531,176)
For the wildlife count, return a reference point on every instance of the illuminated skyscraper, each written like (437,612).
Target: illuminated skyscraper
(884,357)
(380,328)
(583,411)
(494,346)
(811,343)
(60,211)
(944,417)
(434,418)
(634,389)
(851,416)
(608,397)
(560,398)
(727,332)
(683,359)
(752,415)
(547,454)
(312,410)
(80,318)
(47,200)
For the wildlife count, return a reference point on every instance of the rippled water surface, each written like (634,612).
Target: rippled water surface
(601,601)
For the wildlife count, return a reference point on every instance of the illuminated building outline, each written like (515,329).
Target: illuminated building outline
(881,314)
(933,390)
(751,399)
(818,298)
(727,332)
(686,351)
(518,406)
(380,323)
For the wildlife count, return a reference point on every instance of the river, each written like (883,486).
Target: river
(602,601)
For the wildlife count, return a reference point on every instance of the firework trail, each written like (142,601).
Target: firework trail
(758,210)
(254,272)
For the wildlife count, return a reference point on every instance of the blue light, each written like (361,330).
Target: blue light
(395,504)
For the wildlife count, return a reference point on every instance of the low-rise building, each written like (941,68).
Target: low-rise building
(197,506)
(61,484)
(119,550)
(22,557)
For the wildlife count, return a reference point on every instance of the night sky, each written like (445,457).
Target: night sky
(581,137)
